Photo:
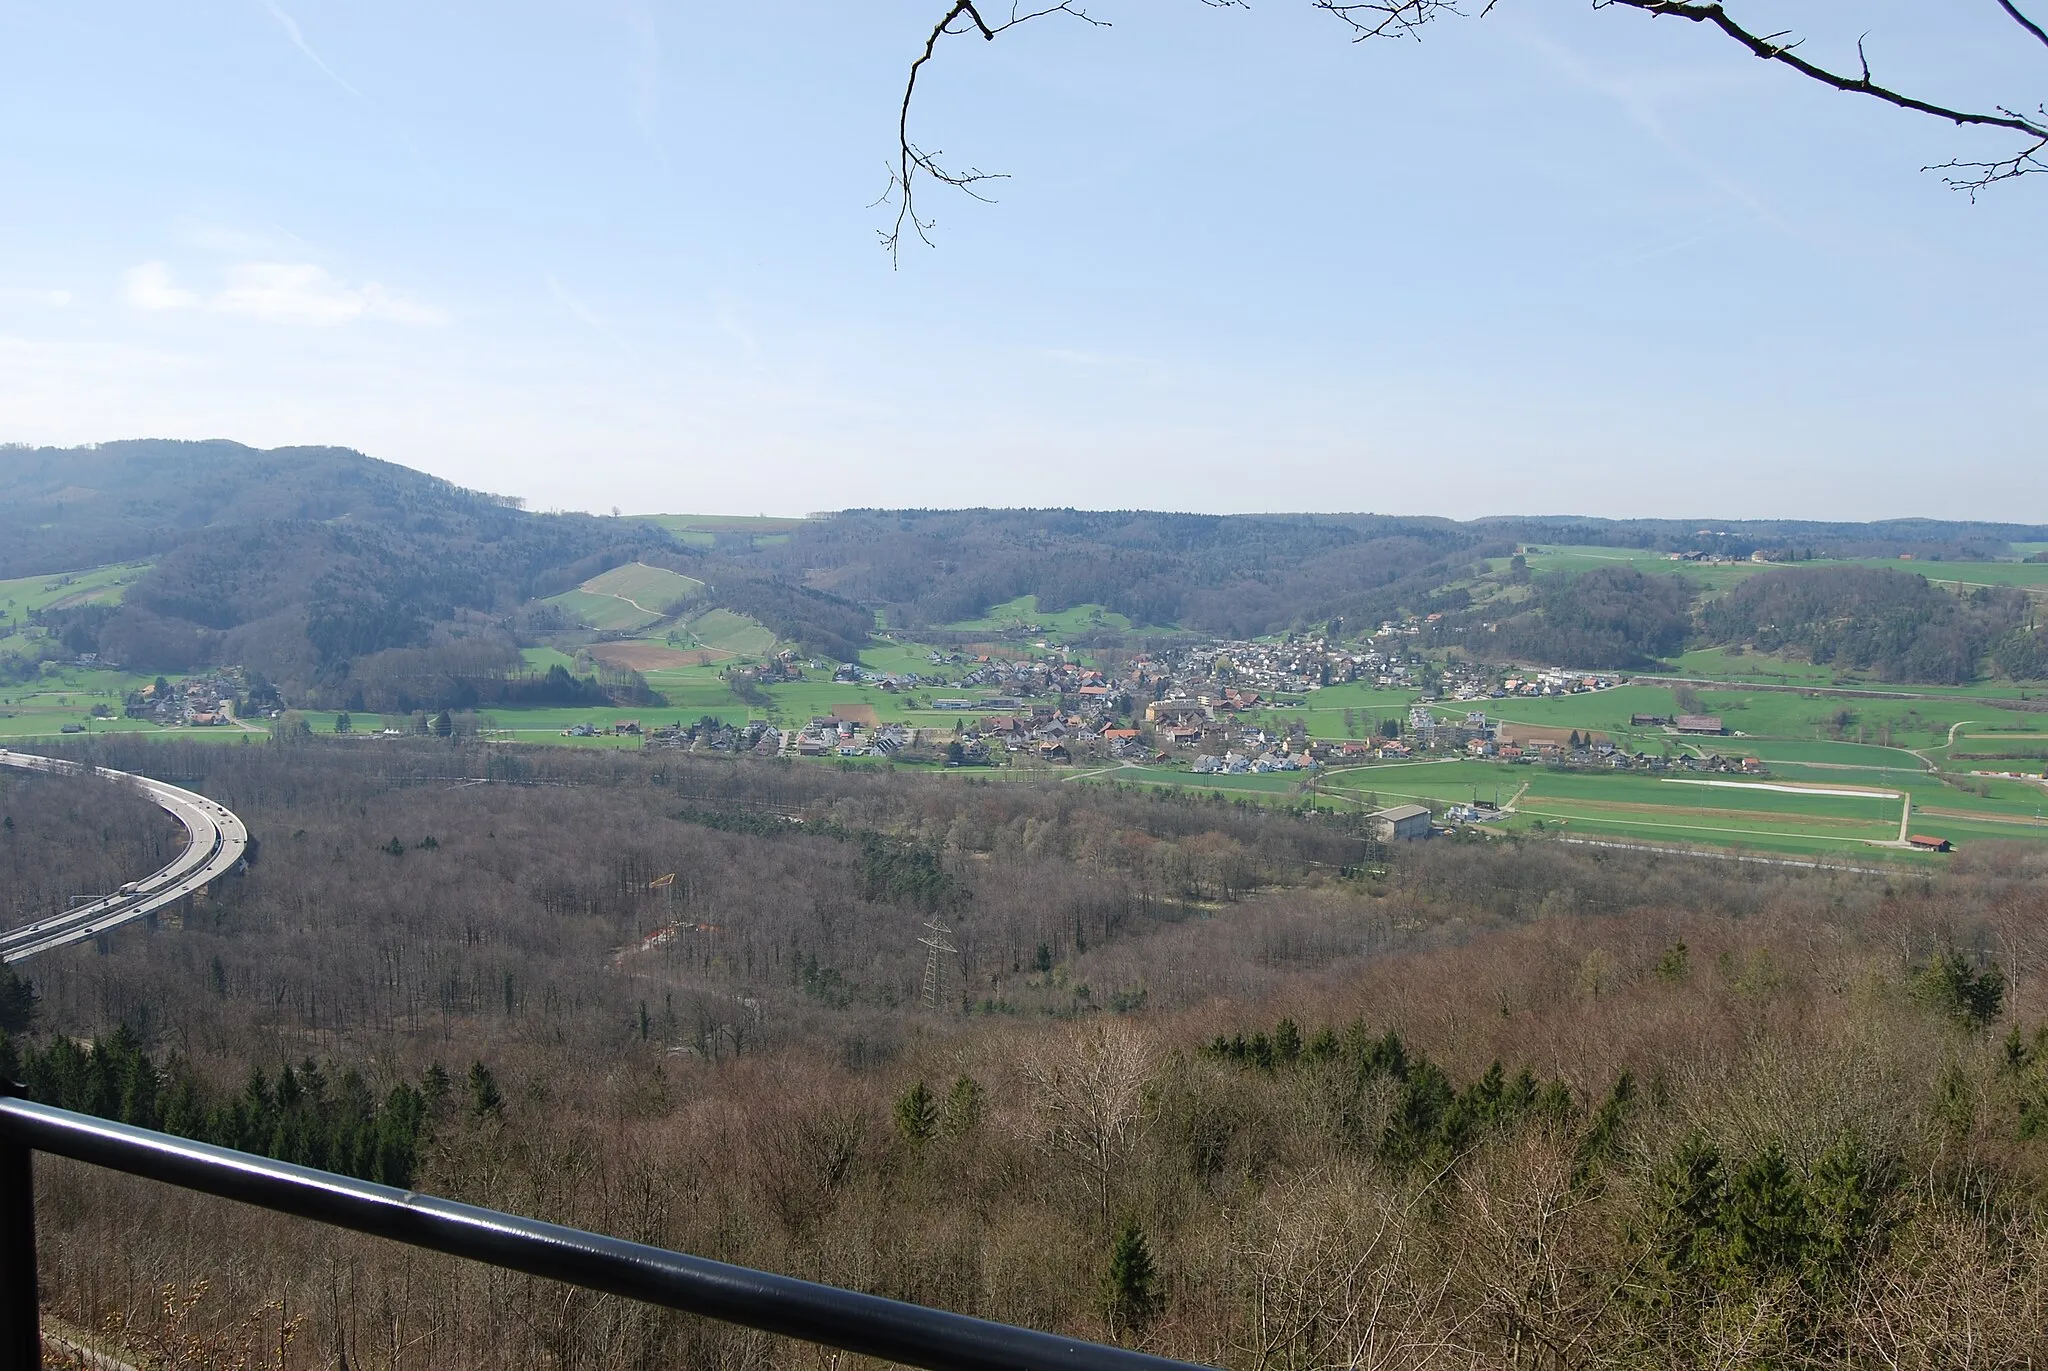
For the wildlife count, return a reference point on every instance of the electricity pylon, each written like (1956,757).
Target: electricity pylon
(938,945)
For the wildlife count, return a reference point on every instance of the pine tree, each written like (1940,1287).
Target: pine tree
(484,1097)
(1765,1218)
(1130,1289)
(963,1107)
(917,1114)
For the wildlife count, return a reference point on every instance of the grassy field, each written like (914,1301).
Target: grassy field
(1761,715)
(1828,754)
(703,530)
(1844,806)
(100,586)
(42,707)
(729,632)
(654,587)
(625,598)
(1024,613)
(1605,710)
(1555,558)
(1322,711)
(1719,664)
(606,613)
(2025,575)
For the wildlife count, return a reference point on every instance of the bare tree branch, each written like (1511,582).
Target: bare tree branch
(1392,18)
(913,161)
(1770,49)
(1406,18)
(1977,175)
(2029,25)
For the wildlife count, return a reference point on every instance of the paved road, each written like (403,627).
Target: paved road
(215,843)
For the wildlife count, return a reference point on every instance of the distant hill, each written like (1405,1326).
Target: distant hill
(1248,574)
(1228,574)
(302,563)
(1894,623)
(345,579)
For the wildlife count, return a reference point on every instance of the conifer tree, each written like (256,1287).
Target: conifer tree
(917,1114)
(1130,1289)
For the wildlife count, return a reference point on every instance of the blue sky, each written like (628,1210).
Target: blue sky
(625,255)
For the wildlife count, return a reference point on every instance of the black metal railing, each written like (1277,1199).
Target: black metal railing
(909,1334)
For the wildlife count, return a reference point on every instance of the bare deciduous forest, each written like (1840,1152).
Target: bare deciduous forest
(1198,1082)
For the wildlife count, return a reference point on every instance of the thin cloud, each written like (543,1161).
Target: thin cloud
(643,69)
(281,293)
(302,293)
(291,27)
(1638,100)
(589,317)
(149,287)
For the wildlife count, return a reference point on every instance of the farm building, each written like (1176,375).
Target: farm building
(1402,821)
(1700,723)
(1927,844)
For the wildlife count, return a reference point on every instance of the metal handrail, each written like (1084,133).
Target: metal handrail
(909,1334)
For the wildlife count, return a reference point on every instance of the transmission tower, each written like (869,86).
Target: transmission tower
(938,945)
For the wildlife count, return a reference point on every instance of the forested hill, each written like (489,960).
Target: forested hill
(322,569)
(1894,624)
(64,509)
(1227,574)
(1249,574)
(295,561)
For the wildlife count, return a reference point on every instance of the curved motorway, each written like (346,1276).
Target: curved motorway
(216,842)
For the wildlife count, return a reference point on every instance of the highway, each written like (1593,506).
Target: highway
(215,843)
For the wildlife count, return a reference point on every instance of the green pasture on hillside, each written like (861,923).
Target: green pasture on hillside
(1721,664)
(603,612)
(1969,575)
(1024,613)
(1555,558)
(705,530)
(729,632)
(899,658)
(652,586)
(100,586)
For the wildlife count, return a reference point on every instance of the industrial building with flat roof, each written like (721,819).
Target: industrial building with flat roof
(1402,821)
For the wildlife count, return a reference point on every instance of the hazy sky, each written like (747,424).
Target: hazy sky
(624,254)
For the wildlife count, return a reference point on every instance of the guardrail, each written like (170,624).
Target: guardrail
(908,1334)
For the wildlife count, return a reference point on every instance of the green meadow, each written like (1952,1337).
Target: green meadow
(725,631)
(654,587)
(99,586)
(606,613)
(1023,613)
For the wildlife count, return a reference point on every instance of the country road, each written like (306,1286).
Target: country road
(215,843)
